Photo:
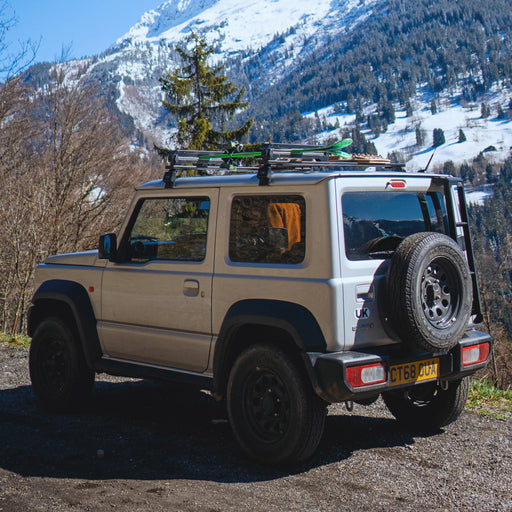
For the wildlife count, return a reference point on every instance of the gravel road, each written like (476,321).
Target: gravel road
(151,447)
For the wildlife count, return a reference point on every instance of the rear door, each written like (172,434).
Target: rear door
(374,219)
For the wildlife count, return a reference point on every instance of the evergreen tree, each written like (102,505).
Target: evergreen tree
(420,135)
(485,110)
(438,137)
(359,144)
(489,174)
(465,171)
(462,136)
(202,98)
(449,167)
(387,111)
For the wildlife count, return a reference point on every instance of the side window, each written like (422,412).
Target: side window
(170,229)
(267,229)
(375,223)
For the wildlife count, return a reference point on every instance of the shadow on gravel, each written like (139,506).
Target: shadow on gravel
(151,431)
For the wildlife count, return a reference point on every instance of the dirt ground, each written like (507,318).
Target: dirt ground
(151,447)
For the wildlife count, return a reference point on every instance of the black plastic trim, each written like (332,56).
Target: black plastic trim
(76,298)
(141,371)
(331,368)
(297,321)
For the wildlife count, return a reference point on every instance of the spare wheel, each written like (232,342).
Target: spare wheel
(430,292)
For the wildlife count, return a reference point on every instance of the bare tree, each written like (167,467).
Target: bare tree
(13,59)
(66,173)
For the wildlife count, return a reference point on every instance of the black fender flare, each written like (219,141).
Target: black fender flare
(76,299)
(296,320)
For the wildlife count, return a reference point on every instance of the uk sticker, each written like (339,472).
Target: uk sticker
(362,313)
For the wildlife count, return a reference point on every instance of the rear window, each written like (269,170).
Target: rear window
(375,223)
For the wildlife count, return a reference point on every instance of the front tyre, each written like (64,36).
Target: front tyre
(274,413)
(60,378)
(428,407)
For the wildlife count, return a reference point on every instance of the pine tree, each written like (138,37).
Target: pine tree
(438,137)
(449,167)
(485,110)
(202,98)
(420,135)
(464,171)
(462,136)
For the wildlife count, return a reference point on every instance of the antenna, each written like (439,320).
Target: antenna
(429,160)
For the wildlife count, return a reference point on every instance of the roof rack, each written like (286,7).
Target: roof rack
(270,159)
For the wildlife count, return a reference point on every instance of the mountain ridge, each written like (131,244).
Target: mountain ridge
(337,57)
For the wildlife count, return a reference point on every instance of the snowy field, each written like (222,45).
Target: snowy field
(451,117)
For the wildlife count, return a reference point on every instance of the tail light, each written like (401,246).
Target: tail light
(366,374)
(475,354)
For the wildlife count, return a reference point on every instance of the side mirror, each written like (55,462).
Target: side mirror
(107,249)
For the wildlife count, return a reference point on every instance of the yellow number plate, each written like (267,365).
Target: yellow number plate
(408,373)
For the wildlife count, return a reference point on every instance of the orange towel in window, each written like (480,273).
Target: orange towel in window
(286,215)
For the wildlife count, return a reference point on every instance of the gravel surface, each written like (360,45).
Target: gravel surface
(153,447)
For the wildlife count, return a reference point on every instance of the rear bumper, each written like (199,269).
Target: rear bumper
(333,385)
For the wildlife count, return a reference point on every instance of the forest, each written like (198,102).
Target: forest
(406,47)
(491,225)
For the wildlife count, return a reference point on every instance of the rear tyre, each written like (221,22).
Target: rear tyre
(275,415)
(60,378)
(428,407)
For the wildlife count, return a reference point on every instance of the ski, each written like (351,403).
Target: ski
(333,148)
(243,154)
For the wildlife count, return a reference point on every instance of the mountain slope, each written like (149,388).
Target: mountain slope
(309,68)
(283,31)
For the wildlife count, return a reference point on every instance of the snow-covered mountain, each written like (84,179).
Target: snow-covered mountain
(287,29)
(237,25)
(283,35)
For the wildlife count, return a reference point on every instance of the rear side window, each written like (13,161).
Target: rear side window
(267,229)
(375,223)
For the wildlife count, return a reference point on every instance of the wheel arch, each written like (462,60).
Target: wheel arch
(68,300)
(290,326)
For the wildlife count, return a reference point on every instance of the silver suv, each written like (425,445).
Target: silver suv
(281,284)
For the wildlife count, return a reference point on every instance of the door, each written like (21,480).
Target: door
(375,221)
(156,302)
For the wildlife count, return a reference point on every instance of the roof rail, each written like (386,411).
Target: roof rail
(272,158)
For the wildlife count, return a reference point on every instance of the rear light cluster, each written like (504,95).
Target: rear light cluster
(366,375)
(475,354)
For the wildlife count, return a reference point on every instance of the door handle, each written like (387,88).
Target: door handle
(191,288)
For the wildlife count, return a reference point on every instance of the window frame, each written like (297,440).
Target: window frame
(124,246)
(271,198)
(440,213)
